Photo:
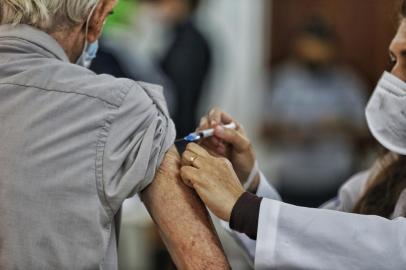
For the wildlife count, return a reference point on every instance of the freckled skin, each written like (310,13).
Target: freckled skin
(183,221)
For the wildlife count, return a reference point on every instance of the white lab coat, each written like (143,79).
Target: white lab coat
(291,237)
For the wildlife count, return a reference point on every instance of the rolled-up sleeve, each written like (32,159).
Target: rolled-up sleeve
(140,134)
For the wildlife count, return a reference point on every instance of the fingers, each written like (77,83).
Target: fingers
(194,155)
(197,149)
(217,116)
(209,143)
(231,136)
(224,138)
(226,118)
(189,175)
(214,149)
(190,159)
(214,117)
(204,124)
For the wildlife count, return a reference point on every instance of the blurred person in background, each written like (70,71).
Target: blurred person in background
(185,59)
(120,55)
(160,43)
(313,117)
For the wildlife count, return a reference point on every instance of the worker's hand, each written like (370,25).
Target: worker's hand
(229,143)
(213,178)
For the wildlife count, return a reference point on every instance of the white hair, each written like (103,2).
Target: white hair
(46,15)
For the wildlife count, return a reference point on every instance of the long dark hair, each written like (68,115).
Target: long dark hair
(387,180)
(386,183)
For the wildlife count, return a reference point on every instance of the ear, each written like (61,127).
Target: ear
(99,16)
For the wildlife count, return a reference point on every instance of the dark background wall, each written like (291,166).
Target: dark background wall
(364,28)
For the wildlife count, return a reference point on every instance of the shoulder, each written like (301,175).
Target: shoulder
(349,193)
(53,75)
(148,96)
(130,97)
(357,183)
(56,76)
(76,79)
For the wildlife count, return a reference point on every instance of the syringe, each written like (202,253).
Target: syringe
(195,136)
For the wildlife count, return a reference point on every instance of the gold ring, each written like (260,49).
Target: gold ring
(192,159)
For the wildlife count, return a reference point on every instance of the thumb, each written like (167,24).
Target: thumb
(233,137)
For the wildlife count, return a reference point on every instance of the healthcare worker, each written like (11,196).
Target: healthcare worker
(363,228)
(74,145)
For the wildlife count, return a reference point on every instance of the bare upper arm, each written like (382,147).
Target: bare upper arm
(182,219)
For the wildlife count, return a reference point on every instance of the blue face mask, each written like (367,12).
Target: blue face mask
(90,50)
(88,54)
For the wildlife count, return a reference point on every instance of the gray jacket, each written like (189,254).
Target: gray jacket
(73,146)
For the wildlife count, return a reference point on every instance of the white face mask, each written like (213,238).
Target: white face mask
(89,54)
(386,113)
(89,51)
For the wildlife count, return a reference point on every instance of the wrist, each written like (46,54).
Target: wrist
(245,215)
(230,206)
(253,188)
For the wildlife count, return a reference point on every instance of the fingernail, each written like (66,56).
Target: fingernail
(220,129)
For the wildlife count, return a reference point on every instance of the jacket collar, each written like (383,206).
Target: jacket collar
(41,42)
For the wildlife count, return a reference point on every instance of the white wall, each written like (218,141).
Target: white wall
(238,34)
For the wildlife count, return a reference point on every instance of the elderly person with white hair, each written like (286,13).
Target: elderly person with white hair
(75,145)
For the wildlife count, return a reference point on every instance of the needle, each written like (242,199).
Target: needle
(195,136)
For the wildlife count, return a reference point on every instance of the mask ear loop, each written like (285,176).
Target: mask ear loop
(87,26)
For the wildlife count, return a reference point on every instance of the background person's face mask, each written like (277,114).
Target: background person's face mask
(89,50)
(386,113)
